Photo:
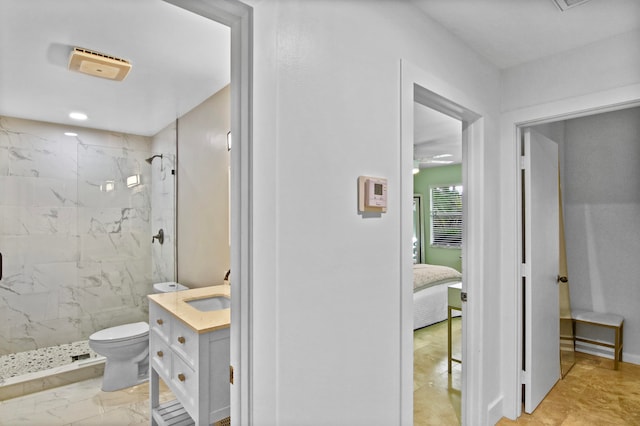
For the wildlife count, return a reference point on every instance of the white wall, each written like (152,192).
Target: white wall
(573,83)
(607,64)
(203,192)
(326,344)
(602,178)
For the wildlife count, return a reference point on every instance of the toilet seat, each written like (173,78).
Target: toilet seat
(121,332)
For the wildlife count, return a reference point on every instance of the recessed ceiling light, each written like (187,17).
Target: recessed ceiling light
(78,115)
(70,134)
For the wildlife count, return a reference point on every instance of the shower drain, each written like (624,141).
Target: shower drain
(75,358)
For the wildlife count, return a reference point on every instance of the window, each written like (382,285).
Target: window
(446,216)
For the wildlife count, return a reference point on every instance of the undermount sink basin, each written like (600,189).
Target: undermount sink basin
(212,303)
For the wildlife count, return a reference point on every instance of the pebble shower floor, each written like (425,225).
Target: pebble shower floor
(13,365)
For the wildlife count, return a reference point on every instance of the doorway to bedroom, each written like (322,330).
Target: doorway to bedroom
(437,265)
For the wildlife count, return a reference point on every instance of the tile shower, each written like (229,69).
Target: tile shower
(77,214)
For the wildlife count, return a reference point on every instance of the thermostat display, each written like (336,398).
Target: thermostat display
(376,192)
(372,195)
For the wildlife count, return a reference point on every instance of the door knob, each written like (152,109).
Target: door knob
(562,279)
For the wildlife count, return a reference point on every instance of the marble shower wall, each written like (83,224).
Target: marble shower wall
(76,240)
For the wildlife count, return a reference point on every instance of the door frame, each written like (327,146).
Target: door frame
(511,124)
(419,86)
(238,17)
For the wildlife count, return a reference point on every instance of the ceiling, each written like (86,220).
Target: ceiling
(178,59)
(437,137)
(510,33)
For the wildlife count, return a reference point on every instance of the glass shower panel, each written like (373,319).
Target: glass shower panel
(114,233)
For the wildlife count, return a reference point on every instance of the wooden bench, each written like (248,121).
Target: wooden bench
(612,321)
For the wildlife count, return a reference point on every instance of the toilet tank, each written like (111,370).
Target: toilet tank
(168,287)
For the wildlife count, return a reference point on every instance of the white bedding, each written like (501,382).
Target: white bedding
(430,293)
(426,275)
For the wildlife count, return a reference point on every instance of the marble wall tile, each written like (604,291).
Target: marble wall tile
(77,252)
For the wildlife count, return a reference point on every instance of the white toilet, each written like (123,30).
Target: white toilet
(126,349)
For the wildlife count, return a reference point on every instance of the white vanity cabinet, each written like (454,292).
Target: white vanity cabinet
(193,363)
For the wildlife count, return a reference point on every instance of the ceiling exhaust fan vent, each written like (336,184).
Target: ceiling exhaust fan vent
(98,64)
(568,4)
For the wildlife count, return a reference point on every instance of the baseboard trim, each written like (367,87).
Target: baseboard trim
(600,351)
(494,411)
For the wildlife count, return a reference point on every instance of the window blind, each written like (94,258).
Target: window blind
(446,216)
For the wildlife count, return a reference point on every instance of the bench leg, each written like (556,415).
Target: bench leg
(617,356)
(449,339)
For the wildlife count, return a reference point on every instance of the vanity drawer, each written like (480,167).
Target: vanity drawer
(160,355)
(184,384)
(184,341)
(160,321)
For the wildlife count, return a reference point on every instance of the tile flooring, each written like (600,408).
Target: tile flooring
(436,393)
(81,403)
(591,394)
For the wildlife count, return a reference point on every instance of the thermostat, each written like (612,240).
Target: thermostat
(372,194)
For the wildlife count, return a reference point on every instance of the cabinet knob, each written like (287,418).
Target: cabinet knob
(159,321)
(181,377)
(181,339)
(160,354)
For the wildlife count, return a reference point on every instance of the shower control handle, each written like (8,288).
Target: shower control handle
(159,236)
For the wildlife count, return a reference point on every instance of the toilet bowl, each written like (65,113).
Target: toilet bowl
(126,349)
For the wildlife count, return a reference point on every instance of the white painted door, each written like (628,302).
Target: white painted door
(541,316)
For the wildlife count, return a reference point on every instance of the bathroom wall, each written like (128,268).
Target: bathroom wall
(74,238)
(203,192)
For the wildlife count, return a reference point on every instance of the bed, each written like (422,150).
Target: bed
(430,283)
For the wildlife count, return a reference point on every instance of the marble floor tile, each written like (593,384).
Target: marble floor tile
(81,403)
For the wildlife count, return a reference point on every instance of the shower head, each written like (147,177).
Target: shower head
(150,159)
